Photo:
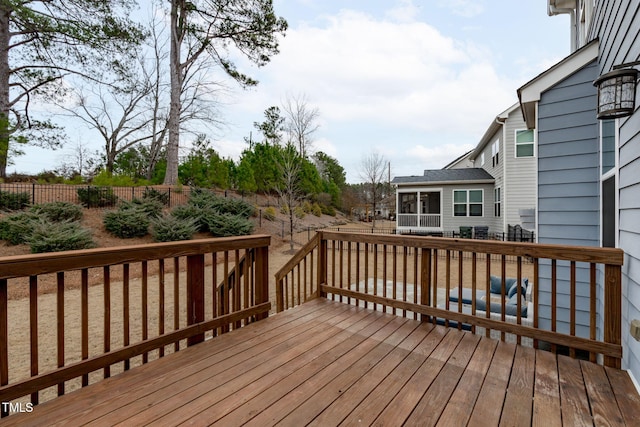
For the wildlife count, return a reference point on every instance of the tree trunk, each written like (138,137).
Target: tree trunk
(5,131)
(171,176)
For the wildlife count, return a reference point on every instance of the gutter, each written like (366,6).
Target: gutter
(553,10)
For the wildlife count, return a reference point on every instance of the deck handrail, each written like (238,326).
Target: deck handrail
(245,257)
(348,269)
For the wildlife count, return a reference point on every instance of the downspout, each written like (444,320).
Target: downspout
(503,191)
(552,10)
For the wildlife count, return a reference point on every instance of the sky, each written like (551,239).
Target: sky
(417,81)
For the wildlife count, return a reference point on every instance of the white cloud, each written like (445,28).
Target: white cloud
(464,8)
(358,68)
(437,157)
(405,11)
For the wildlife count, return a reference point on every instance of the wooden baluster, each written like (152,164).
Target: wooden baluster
(106,344)
(612,310)
(405,254)
(592,308)
(349,270)
(554,300)
(176,299)
(145,307)
(333,268)
(572,307)
(161,278)
(33,330)
(84,279)
(503,293)
(4,339)
(262,278)
(236,288)
(534,295)
(341,256)
(474,278)
(425,280)
(60,326)
(125,310)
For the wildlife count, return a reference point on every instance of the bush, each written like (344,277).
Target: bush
(127,223)
(16,229)
(14,201)
(284,209)
(201,198)
(328,210)
(97,197)
(58,211)
(169,229)
(153,194)
(233,206)
(306,206)
(224,224)
(299,212)
(316,210)
(59,236)
(151,208)
(193,212)
(106,179)
(269,213)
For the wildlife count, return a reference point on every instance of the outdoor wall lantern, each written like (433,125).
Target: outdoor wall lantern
(617,92)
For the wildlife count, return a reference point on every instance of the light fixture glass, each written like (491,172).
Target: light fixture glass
(616,93)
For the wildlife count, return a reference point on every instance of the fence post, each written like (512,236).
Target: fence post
(322,262)
(425,280)
(262,278)
(33,193)
(195,294)
(260,218)
(612,310)
(169,196)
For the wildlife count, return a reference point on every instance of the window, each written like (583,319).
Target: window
(524,143)
(495,153)
(467,202)
(408,203)
(497,202)
(481,159)
(608,141)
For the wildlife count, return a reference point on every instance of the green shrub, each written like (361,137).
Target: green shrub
(269,213)
(106,179)
(316,210)
(193,212)
(151,208)
(307,207)
(59,236)
(96,197)
(150,193)
(233,206)
(169,229)
(284,209)
(328,210)
(127,223)
(299,212)
(58,211)
(224,224)
(201,197)
(14,201)
(16,229)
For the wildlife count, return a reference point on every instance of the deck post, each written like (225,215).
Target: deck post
(4,339)
(262,279)
(612,310)
(322,263)
(195,294)
(425,280)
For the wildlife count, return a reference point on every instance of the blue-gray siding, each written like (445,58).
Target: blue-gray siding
(568,186)
(617,25)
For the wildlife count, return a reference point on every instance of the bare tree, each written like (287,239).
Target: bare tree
(302,122)
(373,173)
(289,166)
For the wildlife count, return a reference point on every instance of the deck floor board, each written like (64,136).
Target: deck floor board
(329,363)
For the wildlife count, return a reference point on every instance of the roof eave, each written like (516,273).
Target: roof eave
(461,182)
(529,93)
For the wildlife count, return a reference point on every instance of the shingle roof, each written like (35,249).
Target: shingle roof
(445,175)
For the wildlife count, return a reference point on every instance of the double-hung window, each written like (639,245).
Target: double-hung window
(524,143)
(497,202)
(495,153)
(467,202)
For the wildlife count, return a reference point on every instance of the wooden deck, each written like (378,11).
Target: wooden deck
(328,363)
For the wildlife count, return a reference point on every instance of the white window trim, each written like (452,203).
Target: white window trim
(453,207)
(496,191)
(516,143)
(611,173)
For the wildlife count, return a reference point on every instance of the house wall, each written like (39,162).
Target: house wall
(519,188)
(453,223)
(497,172)
(616,25)
(568,184)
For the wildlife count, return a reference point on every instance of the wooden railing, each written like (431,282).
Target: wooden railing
(413,276)
(112,308)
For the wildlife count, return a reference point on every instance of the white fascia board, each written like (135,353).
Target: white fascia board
(529,94)
(491,131)
(432,183)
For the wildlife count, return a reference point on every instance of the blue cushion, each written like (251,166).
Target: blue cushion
(496,284)
(513,290)
(467,295)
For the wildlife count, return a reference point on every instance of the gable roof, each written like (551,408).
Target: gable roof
(529,93)
(458,160)
(448,176)
(494,127)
